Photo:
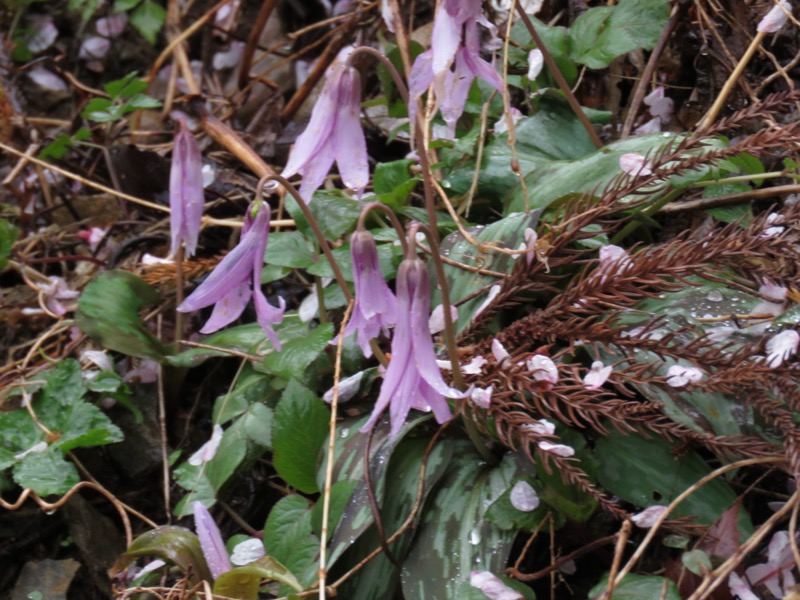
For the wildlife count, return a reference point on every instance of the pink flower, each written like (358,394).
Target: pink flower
(659,105)
(434,65)
(412,379)
(782,347)
(186,196)
(211,541)
(228,287)
(375,308)
(333,134)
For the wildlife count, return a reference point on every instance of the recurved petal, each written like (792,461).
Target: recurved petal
(231,272)
(349,145)
(421,341)
(268,315)
(228,309)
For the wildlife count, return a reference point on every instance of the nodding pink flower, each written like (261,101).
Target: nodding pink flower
(229,287)
(211,541)
(333,134)
(186,196)
(452,86)
(413,379)
(375,308)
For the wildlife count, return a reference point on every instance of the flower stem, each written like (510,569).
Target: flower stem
(392,218)
(556,73)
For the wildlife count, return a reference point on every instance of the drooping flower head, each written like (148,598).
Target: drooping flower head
(375,308)
(186,196)
(412,379)
(451,64)
(229,287)
(333,134)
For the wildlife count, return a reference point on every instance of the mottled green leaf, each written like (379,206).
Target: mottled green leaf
(454,538)
(177,545)
(244,582)
(505,233)
(645,472)
(148,18)
(108,312)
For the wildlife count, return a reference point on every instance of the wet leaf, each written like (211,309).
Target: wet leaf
(289,538)
(636,587)
(177,545)
(299,352)
(46,473)
(244,582)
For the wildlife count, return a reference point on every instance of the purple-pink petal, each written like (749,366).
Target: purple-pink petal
(186,196)
(229,308)
(349,145)
(211,541)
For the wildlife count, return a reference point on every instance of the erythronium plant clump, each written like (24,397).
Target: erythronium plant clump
(422,392)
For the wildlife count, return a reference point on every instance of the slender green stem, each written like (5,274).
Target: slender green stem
(648,212)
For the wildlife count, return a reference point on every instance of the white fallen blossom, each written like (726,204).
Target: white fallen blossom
(634,164)
(535,63)
(597,375)
(523,497)
(540,427)
(482,397)
(112,25)
(348,387)
(492,586)
(558,449)
(680,376)
(436,320)
(781,347)
(247,551)
(648,517)
(543,369)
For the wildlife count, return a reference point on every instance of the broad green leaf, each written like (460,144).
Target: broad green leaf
(126,87)
(298,353)
(108,312)
(229,456)
(290,249)
(697,561)
(64,384)
(553,133)
(638,587)
(148,19)
(177,545)
(334,211)
(454,537)
(647,472)
(123,5)
(341,492)
(194,480)
(140,101)
(46,473)
(389,176)
(388,254)
(248,338)
(250,387)
(601,34)
(300,428)
(506,233)
(596,170)
(244,582)
(288,537)
(8,235)
(380,578)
